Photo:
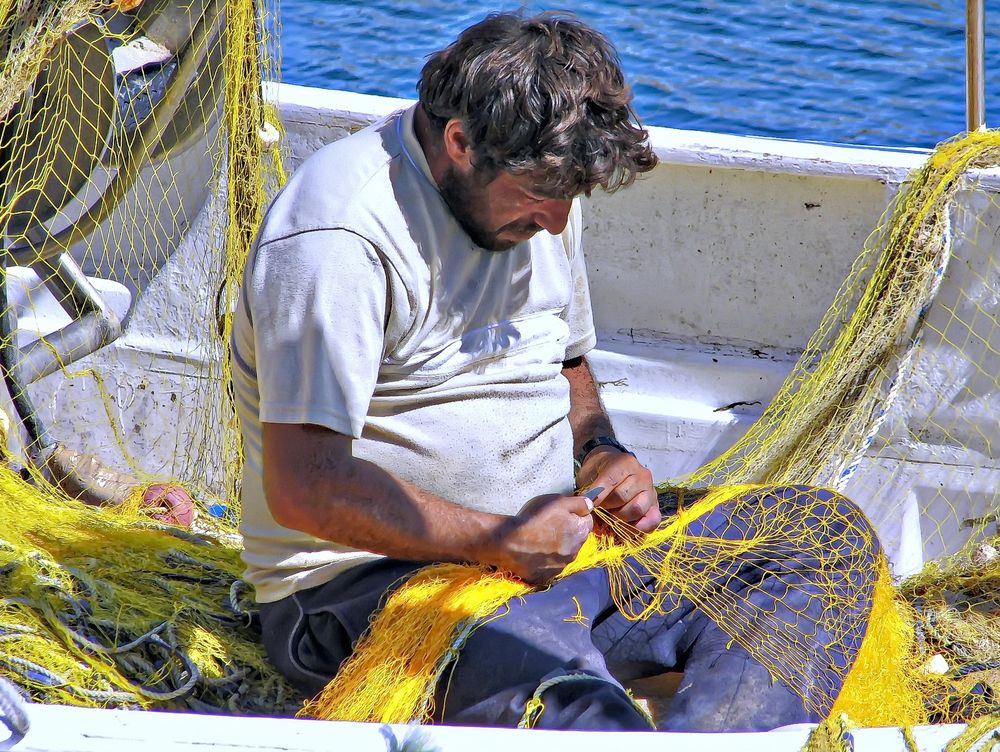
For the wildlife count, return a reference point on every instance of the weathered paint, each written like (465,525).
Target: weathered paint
(708,276)
(65,729)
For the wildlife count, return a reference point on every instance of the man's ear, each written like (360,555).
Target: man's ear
(456,144)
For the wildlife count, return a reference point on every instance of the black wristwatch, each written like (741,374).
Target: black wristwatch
(595,442)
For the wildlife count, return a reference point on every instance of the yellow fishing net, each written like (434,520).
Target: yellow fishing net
(137,149)
(854,376)
(422,627)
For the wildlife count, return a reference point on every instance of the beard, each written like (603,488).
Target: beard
(466,199)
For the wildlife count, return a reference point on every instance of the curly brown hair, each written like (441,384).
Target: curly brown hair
(542,95)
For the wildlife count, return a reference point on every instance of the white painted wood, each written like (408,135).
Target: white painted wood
(730,239)
(709,275)
(65,729)
(305,106)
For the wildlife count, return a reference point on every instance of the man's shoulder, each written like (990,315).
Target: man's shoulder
(357,156)
(337,186)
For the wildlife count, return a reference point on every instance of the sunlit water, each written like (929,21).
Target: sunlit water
(857,71)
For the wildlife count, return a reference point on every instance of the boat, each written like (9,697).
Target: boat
(709,278)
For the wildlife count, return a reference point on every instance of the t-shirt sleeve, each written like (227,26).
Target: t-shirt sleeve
(579,315)
(317,302)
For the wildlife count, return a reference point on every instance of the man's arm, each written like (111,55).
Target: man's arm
(629,492)
(314,484)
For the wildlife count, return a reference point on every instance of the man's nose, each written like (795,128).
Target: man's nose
(553,214)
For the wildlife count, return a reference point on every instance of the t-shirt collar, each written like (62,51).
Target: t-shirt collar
(407,135)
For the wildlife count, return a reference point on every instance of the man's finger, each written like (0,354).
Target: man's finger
(621,494)
(635,509)
(651,520)
(591,496)
(587,498)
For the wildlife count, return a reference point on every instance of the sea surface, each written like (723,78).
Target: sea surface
(879,72)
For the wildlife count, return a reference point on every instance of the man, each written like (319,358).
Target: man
(411,378)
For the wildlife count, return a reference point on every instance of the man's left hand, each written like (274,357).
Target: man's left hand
(629,494)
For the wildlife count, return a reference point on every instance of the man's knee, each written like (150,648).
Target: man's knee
(820,516)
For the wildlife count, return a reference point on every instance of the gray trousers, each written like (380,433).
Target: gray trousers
(577,666)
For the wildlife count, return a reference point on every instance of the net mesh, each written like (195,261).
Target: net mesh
(137,149)
(893,393)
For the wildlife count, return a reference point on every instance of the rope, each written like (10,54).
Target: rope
(189,668)
(159,665)
(975,668)
(831,735)
(35,674)
(533,708)
(238,590)
(15,711)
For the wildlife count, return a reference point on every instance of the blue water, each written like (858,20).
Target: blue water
(882,72)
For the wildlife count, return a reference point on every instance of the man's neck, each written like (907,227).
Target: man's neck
(430,143)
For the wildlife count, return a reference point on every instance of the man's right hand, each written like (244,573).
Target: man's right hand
(539,541)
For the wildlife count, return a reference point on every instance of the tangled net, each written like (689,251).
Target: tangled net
(815,432)
(137,147)
(134,148)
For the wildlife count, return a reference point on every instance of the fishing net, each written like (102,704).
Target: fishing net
(892,397)
(137,149)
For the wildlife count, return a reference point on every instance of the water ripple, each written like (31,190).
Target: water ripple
(854,71)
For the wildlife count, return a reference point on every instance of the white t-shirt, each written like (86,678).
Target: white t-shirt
(367,309)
